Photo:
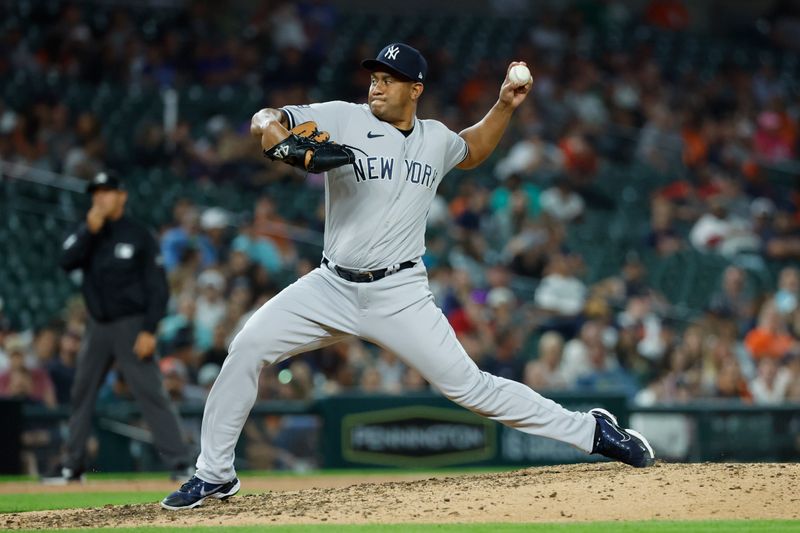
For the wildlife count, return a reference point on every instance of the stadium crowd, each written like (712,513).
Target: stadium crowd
(713,134)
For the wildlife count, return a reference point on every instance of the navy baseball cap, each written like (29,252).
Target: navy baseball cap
(105,179)
(401,59)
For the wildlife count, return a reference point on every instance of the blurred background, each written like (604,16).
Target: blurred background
(633,241)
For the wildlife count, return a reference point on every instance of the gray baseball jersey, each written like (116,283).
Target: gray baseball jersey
(375,210)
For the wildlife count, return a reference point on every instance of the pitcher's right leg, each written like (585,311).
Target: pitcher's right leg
(313,312)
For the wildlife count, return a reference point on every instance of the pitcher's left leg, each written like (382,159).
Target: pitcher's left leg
(420,335)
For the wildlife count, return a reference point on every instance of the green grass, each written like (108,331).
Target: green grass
(289,473)
(755,526)
(17,503)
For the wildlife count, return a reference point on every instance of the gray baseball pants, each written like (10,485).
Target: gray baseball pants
(397,313)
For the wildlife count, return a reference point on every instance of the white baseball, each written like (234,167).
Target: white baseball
(519,75)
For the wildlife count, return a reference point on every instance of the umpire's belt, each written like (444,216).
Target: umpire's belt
(365,276)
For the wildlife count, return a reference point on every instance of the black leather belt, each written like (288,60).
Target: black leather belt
(366,276)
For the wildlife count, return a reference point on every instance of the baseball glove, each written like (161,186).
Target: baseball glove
(309,149)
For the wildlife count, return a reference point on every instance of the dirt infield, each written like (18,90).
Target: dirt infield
(546,494)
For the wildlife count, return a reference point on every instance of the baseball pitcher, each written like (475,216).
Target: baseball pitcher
(383,166)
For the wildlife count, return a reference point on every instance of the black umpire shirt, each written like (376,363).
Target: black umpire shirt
(122,271)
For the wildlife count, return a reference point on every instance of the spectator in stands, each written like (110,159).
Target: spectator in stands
(470,207)
(697,135)
(663,236)
(182,348)
(766,85)
(733,300)
(370,381)
(783,240)
(32,385)
(257,248)
(183,278)
(770,143)
(660,143)
(187,234)
(239,301)
(183,317)
(57,135)
(731,383)
(214,222)
(581,162)
(667,14)
(84,159)
(585,97)
(575,361)
(561,295)
(150,146)
(631,281)
(501,306)
(177,383)
(512,207)
(528,157)
(605,375)
(543,373)
(561,202)
(391,370)
(207,375)
(770,338)
(548,36)
(45,346)
(414,382)
(62,367)
(770,386)
(506,361)
(218,350)
(639,315)
(211,304)
(780,238)
(287,29)
(269,224)
(24,140)
(790,372)
(787,297)
(718,231)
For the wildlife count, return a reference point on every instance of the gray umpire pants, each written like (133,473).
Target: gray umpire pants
(102,344)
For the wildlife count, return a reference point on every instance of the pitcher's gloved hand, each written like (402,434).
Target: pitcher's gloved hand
(309,149)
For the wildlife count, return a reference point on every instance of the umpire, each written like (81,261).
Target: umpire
(125,289)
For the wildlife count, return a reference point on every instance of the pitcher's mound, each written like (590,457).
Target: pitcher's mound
(547,494)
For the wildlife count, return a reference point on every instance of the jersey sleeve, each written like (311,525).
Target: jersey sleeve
(456,150)
(328,115)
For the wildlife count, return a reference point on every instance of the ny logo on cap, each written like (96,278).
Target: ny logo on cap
(392,52)
(101,178)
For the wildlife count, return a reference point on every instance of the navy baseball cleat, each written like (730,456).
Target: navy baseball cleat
(193,492)
(624,445)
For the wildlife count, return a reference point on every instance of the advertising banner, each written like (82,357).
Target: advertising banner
(429,431)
